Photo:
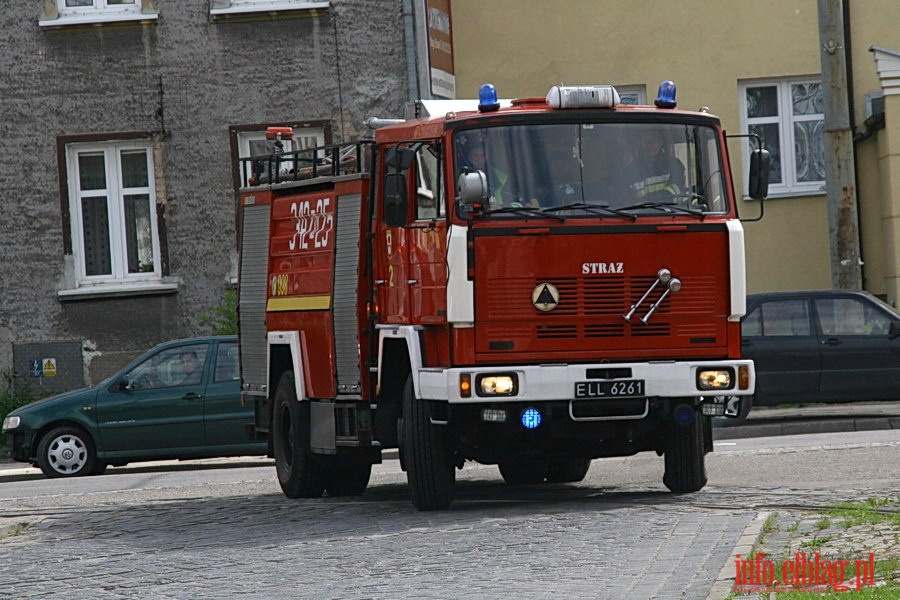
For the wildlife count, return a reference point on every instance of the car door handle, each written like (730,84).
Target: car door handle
(192,396)
(831,342)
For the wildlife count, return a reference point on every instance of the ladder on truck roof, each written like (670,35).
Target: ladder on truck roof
(332,160)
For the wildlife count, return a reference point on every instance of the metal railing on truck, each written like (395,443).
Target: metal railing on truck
(321,161)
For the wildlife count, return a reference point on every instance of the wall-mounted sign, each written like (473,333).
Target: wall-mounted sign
(440,48)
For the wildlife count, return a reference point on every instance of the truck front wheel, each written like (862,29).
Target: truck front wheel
(685,454)
(429,470)
(299,475)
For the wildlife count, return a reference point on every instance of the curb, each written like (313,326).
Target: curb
(778,428)
(724,583)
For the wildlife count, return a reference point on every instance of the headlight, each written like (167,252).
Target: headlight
(497,384)
(715,379)
(11,423)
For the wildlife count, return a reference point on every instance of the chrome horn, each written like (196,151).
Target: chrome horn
(672,284)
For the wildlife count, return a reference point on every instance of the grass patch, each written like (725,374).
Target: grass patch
(817,542)
(868,512)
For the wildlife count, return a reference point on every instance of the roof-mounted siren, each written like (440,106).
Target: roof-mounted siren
(665,98)
(582,96)
(487,98)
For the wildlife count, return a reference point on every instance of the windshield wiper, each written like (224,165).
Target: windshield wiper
(667,207)
(523,209)
(600,209)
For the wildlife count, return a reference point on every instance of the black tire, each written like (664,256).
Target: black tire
(522,473)
(66,452)
(429,471)
(568,471)
(685,455)
(299,475)
(348,481)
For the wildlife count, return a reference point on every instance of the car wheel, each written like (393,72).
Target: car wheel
(66,452)
(685,454)
(568,471)
(430,473)
(299,475)
(520,473)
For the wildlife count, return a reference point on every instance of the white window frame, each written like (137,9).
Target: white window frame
(303,138)
(785,120)
(237,7)
(119,280)
(632,94)
(100,12)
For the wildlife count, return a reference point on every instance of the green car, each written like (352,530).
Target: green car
(179,400)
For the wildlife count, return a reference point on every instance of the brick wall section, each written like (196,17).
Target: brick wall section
(61,82)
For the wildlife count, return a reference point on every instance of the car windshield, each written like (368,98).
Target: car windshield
(589,169)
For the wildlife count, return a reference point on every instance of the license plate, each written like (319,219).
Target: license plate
(628,388)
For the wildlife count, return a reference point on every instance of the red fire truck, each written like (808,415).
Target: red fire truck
(531,283)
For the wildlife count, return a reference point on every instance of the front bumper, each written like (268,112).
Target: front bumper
(535,383)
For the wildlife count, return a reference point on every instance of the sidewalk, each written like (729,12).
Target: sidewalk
(813,418)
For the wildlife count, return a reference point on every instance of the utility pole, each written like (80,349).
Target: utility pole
(840,172)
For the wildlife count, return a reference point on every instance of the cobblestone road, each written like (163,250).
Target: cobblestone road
(599,539)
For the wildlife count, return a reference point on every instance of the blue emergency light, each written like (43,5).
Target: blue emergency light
(531,418)
(487,98)
(665,98)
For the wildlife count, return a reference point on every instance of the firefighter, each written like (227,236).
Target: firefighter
(472,155)
(652,171)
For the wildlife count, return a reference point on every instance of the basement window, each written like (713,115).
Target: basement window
(232,8)
(61,13)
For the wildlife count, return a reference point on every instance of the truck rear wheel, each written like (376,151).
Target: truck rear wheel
(568,471)
(348,481)
(299,475)
(685,455)
(429,470)
(523,473)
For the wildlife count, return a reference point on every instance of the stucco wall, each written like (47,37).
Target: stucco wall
(707,48)
(63,82)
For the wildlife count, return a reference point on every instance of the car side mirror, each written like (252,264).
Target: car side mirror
(124,385)
(894,331)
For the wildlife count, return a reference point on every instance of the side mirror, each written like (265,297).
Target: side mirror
(894,331)
(472,188)
(759,174)
(395,200)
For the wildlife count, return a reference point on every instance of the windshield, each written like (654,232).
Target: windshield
(583,168)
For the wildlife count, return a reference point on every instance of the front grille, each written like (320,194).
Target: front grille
(592,309)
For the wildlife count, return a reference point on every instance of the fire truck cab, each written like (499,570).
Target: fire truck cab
(531,283)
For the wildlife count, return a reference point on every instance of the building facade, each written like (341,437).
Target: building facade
(123,122)
(758,66)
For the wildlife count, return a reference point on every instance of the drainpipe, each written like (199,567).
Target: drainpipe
(409,41)
(843,219)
